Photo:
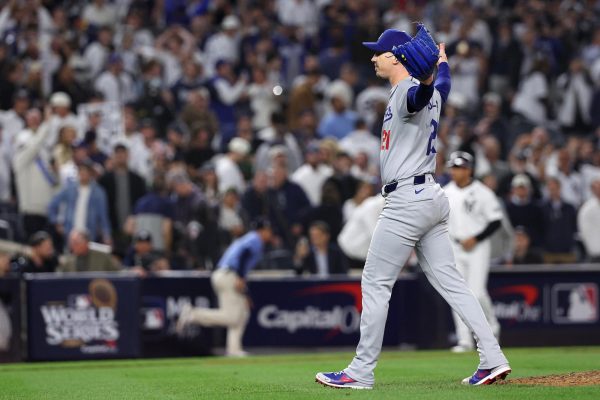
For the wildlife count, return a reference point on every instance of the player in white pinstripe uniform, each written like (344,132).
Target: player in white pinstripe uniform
(475,215)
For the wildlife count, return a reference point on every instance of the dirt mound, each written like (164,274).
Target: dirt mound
(588,378)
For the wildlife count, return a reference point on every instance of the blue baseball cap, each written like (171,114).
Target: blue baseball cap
(388,39)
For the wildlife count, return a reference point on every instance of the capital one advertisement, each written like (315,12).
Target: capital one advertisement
(83,318)
(316,313)
(568,299)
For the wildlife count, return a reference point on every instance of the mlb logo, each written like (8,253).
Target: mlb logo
(80,301)
(575,303)
(154,319)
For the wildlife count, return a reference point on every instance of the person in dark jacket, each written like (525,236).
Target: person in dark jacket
(42,257)
(123,189)
(320,256)
(560,226)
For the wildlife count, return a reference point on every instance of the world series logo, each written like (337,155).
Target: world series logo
(85,321)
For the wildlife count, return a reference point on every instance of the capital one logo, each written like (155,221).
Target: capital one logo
(517,303)
(344,319)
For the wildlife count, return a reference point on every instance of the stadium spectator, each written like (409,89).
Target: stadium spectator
(115,84)
(123,189)
(364,190)
(588,222)
(41,258)
(312,174)
(360,140)
(36,180)
(86,256)
(227,168)
(231,220)
(226,90)
(523,211)
(154,212)
(82,206)
(277,138)
(197,115)
(141,256)
(523,253)
(288,205)
(319,255)
(560,226)
(341,120)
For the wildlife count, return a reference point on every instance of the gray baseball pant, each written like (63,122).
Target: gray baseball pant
(415,219)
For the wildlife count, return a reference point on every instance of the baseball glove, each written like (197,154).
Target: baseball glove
(419,55)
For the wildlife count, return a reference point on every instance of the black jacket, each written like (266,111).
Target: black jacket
(336,262)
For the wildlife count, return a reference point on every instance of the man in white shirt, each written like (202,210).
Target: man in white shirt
(312,174)
(115,84)
(361,140)
(61,116)
(225,44)
(588,222)
(227,169)
(97,52)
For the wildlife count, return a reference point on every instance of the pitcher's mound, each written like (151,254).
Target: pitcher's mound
(588,378)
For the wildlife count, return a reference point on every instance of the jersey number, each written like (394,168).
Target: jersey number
(385,139)
(432,136)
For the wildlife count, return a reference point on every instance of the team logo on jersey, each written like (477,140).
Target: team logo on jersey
(388,114)
(432,105)
(469,205)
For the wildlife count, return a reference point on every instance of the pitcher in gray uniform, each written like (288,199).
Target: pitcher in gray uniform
(415,216)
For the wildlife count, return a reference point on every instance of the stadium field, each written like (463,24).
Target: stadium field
(400,375)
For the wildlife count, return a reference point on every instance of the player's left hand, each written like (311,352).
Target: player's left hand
(469,243)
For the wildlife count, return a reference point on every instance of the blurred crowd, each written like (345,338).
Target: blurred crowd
(150,133)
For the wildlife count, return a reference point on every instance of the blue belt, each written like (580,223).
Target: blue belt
(417,180)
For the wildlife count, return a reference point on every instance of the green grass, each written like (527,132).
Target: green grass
(400,375)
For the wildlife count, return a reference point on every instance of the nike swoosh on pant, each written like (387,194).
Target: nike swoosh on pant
(419,191)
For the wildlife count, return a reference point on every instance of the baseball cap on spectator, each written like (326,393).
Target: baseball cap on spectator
(260,223)
(239,146)
(220,62)
(142,236)
(114,58)
(520,180)
(313,147)
(60,99)
(80,144)
(388,39)
(120,145)
(460,159)
(21,94)
(38,237)
(207,167)
(230,22)
(89,137)
(88,164)
(147,123)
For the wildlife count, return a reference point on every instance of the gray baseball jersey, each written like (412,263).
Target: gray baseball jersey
(408,139)
(415,217)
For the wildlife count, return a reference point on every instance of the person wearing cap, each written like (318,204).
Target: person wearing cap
(229,283)
(227,168)
(141,252)
(523,210)
(82,205)
(85,256)
(225,44)
(475,214)
(115,84)
(61,115)
(41,257)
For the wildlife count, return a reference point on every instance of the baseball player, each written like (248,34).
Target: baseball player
(416,209)
(475,215)
(229,283)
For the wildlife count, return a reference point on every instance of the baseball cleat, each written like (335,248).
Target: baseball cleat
(184,318)
(487,376)
(339,380)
